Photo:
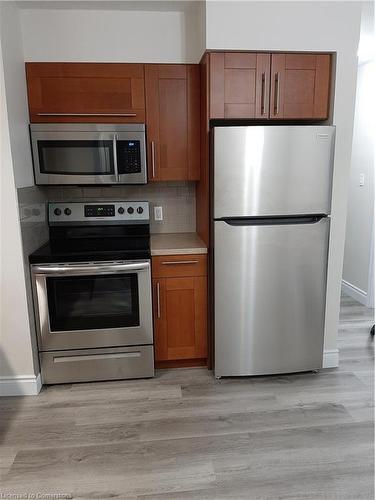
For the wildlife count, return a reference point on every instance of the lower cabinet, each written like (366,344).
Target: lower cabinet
(180,310)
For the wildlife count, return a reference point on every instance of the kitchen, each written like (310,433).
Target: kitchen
(157,113)
(68,102)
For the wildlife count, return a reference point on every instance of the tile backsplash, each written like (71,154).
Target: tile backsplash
(33,217)
(34,232)
(176,198)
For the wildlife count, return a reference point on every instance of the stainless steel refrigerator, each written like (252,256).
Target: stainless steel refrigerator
(270,210)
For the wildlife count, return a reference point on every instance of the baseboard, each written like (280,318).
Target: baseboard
(28,385)
(331,358)
(354,292)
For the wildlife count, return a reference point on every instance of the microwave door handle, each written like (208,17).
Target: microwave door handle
(114,142)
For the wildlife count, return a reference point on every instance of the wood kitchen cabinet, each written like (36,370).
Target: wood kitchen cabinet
(268,86)
(86,92)
(300,85)
(239,84)
(180,310)
(173,121)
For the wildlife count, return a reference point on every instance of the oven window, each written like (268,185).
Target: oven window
(76,157)
(93,302)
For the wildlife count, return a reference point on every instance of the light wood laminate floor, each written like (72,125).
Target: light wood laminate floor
(185,435)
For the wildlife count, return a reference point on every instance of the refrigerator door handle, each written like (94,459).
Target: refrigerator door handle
(272,221)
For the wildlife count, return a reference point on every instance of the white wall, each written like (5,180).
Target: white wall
(361,198)
(16,358)
(151,35)
(360,221)
(16,94)
(324,26)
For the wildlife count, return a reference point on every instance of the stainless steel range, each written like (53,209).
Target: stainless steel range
(92,293)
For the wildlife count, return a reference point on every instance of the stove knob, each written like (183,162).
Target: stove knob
(121,210)
(57,211)
(130,210)
(67,211)
(140,210)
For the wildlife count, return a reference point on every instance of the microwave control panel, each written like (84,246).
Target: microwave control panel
(129,157)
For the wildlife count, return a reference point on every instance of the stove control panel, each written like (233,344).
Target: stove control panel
(126,212)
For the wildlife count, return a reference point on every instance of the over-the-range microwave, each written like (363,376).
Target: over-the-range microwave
(89,153)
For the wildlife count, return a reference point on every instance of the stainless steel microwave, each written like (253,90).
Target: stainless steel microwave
(89,153)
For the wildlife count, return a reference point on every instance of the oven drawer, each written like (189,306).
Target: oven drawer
(85,365)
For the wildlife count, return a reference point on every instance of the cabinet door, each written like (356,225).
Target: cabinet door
(300,86)
(239,85)
(86,92)
(173,121)
(180,318)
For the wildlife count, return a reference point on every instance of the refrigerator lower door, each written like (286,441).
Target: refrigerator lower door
(270,288)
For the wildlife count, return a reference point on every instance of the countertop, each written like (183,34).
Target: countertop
(177,244)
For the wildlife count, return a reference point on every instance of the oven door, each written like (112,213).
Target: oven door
(63,157)
(84,305)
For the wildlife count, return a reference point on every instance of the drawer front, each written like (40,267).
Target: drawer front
(86,365)
(172,266)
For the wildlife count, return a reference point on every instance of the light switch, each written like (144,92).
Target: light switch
(158,213)
(361,179)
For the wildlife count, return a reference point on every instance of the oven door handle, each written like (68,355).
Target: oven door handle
(90,268)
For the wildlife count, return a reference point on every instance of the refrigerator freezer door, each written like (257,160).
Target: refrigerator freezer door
(272,170)
(270,287)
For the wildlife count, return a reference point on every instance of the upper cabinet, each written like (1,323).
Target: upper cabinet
(86,92)
(239,83)
(300,85)
(173,121)
(262,86)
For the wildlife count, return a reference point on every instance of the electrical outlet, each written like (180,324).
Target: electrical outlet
(361,179)
(158,213)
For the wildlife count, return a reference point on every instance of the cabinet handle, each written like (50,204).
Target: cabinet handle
(173,262)
(263,98)
(88,114)
(158,299)
(277,94)
(153,158)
